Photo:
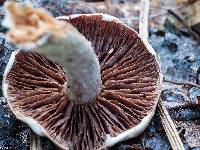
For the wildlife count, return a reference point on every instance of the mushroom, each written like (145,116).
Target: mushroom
(85,81)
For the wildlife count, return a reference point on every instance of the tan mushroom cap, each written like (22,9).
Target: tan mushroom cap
(131,85)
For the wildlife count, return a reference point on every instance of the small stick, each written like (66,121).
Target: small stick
(170,128)
(144,18)
(182,83)
(167,122)
(35,141)
(184,106)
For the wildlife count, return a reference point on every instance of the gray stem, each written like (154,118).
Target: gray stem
(77,56)
(60,42)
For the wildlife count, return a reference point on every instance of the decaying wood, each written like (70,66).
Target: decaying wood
(166,120)
(169,127)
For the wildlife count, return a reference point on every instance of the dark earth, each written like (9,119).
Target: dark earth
(179,56)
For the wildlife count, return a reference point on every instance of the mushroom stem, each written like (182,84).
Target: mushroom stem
(33,28)
(77,56)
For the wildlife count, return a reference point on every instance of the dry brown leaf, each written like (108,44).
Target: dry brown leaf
(192,13)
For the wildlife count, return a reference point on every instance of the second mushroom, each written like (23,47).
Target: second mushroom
(86,81)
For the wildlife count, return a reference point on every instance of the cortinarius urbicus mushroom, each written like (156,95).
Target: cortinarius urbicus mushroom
(93,81)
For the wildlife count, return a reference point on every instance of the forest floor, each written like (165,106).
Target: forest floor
(178,53)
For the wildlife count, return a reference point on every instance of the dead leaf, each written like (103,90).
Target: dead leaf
(191,13)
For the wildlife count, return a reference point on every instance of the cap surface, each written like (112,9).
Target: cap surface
(131,85)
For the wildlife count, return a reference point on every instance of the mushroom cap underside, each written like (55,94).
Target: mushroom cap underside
(131,85)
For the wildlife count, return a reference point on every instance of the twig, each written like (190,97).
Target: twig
(169,127)
(183,22)
(35,141)
(182,83)
(167,122)
(143,22)
(187,105)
